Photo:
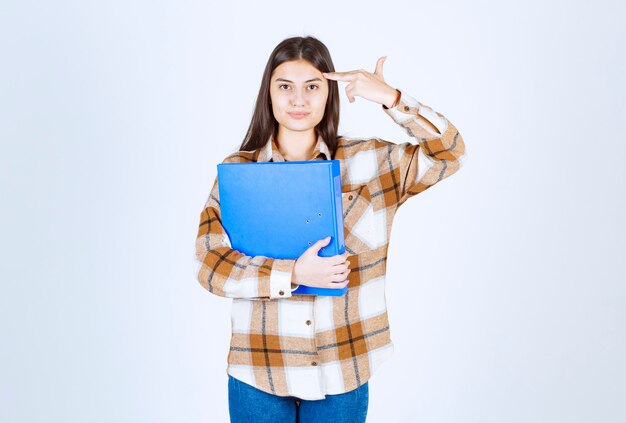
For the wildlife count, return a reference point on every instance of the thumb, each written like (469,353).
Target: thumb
(379,66)
(321,243)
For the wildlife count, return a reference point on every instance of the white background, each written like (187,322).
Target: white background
(505,282)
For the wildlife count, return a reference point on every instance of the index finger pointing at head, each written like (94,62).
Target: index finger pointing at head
(338,76)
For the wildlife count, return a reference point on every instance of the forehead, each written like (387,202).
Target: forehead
(297,71)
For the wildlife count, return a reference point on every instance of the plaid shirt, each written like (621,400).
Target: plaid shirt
(310,346)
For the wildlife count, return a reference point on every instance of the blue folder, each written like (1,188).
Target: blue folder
(279,209)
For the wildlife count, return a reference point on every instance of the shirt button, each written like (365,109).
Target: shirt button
(350,197)
(314,363)
(406,108)
(308,322)
(281,292)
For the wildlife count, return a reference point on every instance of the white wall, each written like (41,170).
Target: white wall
(114,115)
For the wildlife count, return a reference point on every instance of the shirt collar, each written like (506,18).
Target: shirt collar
(270,153)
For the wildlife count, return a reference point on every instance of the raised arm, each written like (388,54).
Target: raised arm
(227,272)
(437,138)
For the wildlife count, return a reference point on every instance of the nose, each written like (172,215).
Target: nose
(298,98)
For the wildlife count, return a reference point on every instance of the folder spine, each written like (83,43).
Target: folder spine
(338,241)
(338,208)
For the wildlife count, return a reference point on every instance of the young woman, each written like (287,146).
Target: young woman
(301,357)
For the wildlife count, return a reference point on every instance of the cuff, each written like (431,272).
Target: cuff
(404,114)
(280,278)
(405,110)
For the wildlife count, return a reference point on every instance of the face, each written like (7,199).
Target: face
(298,92)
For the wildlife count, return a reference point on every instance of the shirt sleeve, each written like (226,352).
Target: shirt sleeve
(227,272)
(442,150)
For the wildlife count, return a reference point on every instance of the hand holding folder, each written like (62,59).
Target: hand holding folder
(280,209)
(321,272)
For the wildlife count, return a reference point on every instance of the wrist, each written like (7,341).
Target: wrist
(394,98)
(293,275)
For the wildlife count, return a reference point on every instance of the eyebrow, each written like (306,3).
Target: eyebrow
(286,80)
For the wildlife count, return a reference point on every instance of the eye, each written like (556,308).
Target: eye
(283,85)
(316,87)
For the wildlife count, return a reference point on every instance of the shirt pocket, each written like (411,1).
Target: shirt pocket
(364,227)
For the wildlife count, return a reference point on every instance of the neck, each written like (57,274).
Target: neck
(296,146)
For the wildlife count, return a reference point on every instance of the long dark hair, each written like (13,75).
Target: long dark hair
(263,123)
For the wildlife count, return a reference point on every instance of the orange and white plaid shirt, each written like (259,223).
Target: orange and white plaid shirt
(309,346)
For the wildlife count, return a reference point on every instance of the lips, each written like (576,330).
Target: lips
(296,115)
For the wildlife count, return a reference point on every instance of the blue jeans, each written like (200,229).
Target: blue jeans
(248,404)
